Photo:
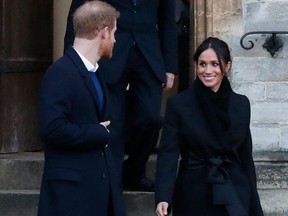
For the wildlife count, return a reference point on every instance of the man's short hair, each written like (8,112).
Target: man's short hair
(93,16)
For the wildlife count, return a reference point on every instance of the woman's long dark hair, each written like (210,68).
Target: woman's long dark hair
(219,46)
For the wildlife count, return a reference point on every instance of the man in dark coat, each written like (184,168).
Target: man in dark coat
(183,32)
(145,60)
(79,176)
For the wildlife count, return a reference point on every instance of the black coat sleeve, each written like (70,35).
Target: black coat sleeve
(248,166)
(168,34)
(168,155)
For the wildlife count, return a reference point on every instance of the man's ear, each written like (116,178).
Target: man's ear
(104,33)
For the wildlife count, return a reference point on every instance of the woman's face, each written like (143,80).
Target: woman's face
(209,70)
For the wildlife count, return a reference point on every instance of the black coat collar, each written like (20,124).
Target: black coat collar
(214,107)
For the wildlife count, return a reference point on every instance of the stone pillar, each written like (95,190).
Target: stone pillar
(202,11)
(26,51)
(200,25)
(60,12)
(218,18)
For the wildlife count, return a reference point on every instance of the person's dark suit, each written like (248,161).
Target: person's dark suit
(79,174)
(145,49)
(211,175)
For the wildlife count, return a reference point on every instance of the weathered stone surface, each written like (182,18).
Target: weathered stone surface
(272,175)
(255,91)
(284,136)
(19,203)
(270,112)
(277,91)
(268,15)
(25,203)
(139,203)
(258,69)
(266,137)
(25,170)
(21,171)
(274,202)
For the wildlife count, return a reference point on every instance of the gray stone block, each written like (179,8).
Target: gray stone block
(274,202)
(255,91)
(269,15)
(272,175)
(19,203)
(21,171)
(266,137)
(284,135)
(277,91)
(259,69)
(269,112)
(139,203)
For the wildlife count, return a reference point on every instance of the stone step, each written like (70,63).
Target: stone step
(21,171)
(25,202)
(18,202)
(24,171)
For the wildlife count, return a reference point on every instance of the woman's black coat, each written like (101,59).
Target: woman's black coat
(215,177)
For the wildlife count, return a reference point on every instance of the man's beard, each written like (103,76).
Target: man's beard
(107,52)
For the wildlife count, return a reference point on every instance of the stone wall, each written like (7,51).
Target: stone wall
(263,78)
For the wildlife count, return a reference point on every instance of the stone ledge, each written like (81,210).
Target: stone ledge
(24,170)
(270,156)
(272,175)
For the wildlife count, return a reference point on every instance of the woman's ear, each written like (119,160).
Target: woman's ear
(228,67)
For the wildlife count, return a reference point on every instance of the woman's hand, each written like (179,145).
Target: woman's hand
(162,209)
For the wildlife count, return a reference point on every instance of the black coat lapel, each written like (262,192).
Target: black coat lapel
(87,79)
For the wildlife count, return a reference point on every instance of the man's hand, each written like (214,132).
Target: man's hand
(169,80)
(161,209)
(106,124)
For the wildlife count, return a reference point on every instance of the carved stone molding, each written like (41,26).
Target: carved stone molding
(201,25)
(202,11)
(219,18)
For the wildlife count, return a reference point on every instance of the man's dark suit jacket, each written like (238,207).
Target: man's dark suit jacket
(149,23)
(79,175)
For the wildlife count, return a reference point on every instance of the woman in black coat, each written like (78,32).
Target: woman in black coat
(208,125)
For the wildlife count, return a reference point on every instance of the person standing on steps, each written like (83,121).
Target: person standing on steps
(145,60)
(80,176)
(208,125)
(183,32)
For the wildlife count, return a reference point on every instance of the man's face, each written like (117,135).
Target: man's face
(109,42)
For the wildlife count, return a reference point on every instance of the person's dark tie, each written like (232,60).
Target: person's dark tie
(134,1)
(95,79)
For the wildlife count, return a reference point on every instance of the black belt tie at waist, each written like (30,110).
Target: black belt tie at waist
(223,191)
